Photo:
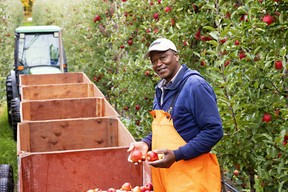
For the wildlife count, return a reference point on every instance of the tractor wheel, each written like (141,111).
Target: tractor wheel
(6,171)
(15,114)
(6,185)
(6,178)
(9,97)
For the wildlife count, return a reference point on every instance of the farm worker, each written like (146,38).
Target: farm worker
(186,125)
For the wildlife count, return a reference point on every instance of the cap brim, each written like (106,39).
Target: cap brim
(147,55)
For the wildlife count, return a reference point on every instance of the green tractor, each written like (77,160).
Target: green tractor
(38,50)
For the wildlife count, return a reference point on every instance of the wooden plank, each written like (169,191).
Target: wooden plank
(56,135)
(25,111)
(58,91)
(93,91)
(23,138)
(62,78)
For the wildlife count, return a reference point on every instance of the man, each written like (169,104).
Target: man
(186,125)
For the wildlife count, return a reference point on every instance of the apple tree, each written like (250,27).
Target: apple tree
(238,46)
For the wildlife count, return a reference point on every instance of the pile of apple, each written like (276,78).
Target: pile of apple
(136,156)
(127,187)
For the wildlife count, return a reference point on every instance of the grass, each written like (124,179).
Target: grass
(8,150)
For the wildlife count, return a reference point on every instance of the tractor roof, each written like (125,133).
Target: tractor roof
(38,29)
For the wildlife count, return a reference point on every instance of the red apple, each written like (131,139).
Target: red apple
(126,187)
(148,187)
(227,62)
(167,9)
(278,65)
(202,63)
(222,41)
(136,156)
(156,16)
(124,0)
(268,19)
(266,118)
(152,156)
(227,15)
(244,18)
(137,107)
(147,73)
(97,18)
(136,189)
(242,55)
(122,46)
(172,22)
(156,30)
(236,172)
(185,43)
(159,1)
(151,2)
(197,35)
(236,42)
(130,42)
(206,38)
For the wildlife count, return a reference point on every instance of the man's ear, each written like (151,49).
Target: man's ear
(177,57)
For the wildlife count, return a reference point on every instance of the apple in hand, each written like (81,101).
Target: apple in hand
(152,156)
(136,156)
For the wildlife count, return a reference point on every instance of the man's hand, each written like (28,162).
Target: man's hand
(140,145)
(167,160)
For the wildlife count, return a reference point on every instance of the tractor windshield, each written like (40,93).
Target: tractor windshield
(39,50)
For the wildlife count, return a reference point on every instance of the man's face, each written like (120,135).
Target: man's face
(165,63)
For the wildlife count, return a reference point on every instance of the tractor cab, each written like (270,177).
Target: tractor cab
(39,50)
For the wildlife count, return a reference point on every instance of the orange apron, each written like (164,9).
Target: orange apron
(200,174)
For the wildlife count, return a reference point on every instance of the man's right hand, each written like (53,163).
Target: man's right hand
(140,145)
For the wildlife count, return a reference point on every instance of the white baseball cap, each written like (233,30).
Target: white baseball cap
(161,44)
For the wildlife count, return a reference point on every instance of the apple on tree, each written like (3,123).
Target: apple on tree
(266,118)
(278,65)
(268,19)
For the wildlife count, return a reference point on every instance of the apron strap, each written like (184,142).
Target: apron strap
(179,90)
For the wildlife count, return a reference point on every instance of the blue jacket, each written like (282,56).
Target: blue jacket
(195,114)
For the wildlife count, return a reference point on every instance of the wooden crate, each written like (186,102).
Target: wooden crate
(60,91)
(46,79)
(40,110)
(72,134)
(77,170)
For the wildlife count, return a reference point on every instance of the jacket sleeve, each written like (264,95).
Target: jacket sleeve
(204,108)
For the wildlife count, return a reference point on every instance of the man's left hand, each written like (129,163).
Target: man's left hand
(167,160)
